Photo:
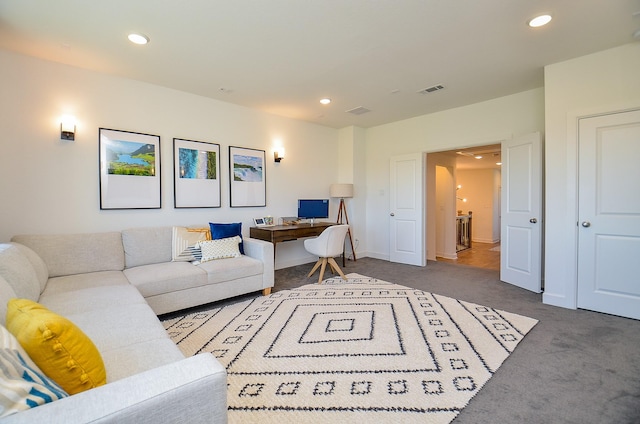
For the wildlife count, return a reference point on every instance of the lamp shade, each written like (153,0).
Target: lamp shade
(341,190)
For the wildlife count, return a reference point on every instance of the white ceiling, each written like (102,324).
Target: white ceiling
(282,56)
(478,157)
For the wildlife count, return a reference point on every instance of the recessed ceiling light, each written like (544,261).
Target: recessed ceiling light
(478,156)
(539,21)
(498,163)
(138,38)
(325,101)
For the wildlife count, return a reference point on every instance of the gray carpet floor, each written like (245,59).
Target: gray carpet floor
(575,366)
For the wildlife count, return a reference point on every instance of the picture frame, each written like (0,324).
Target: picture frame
(196,174)
(247,177)
(129,170)
(266,221)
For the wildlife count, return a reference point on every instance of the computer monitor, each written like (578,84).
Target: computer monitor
(313,208)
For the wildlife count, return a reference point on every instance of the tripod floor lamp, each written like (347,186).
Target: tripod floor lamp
(343,191)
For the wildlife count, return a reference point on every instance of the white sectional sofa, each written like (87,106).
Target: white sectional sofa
(112,286)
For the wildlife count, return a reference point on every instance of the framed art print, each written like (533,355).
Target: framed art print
(129,170)
(266,221)
(247,177)
(196,174)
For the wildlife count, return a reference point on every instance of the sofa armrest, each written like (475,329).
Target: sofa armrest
(262,251)
(193,390)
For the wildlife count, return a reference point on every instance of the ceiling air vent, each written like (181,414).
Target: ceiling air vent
(358,110)
(431,89)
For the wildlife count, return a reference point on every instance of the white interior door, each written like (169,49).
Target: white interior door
(609,214)
(407,235)
(521,212)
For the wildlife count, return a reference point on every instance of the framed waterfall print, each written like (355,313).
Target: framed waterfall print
(196,174)
(247,177)
(129,170)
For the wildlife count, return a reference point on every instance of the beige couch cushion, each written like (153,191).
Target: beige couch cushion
(134,359)
(42,272)
(119,326)
(71,283)
(221,270)
(6,293)
(77,253)
(125,334)
(166,277)
(91,299)
(17,270)
(144,246)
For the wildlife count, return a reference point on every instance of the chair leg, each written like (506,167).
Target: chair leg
(315,267)
(335,266)
(324,265)
(334,269)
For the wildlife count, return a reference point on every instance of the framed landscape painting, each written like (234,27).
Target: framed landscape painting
(129,170)
(196,174)
(247,177)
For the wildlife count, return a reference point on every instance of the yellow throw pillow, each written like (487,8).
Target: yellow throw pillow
(61,350)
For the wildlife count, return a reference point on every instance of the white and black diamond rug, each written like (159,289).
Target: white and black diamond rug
(363,349)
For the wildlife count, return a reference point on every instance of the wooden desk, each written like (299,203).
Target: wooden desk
(280,233)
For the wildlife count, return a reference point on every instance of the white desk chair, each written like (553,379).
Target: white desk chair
(328,244)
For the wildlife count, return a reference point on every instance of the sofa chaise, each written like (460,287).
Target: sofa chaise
(113,286)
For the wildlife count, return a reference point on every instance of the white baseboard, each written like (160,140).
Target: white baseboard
(294,262)
(446,256)
(482,240)
(312,259)
(384,257)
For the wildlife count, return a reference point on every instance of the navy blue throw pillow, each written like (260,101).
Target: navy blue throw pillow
(220,231)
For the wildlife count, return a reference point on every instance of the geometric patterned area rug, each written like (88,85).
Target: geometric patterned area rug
(357,350)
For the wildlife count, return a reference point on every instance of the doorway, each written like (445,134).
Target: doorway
(475,184)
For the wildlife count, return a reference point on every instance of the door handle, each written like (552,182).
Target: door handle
(586,224)
(533,220)
(392,214)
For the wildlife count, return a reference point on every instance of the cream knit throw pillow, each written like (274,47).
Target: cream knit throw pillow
(219,249)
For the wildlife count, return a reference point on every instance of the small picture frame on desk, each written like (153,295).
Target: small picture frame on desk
(259,222)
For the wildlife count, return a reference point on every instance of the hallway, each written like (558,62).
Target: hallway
(481,255)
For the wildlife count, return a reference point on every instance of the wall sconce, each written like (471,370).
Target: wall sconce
(68,128)
(278,155)
(463,199)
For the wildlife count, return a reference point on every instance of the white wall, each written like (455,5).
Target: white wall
(445,213)
(51,186)
(351,155)
(497,220)
(479,187)
(441,222)
(593,84)
(473,125)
